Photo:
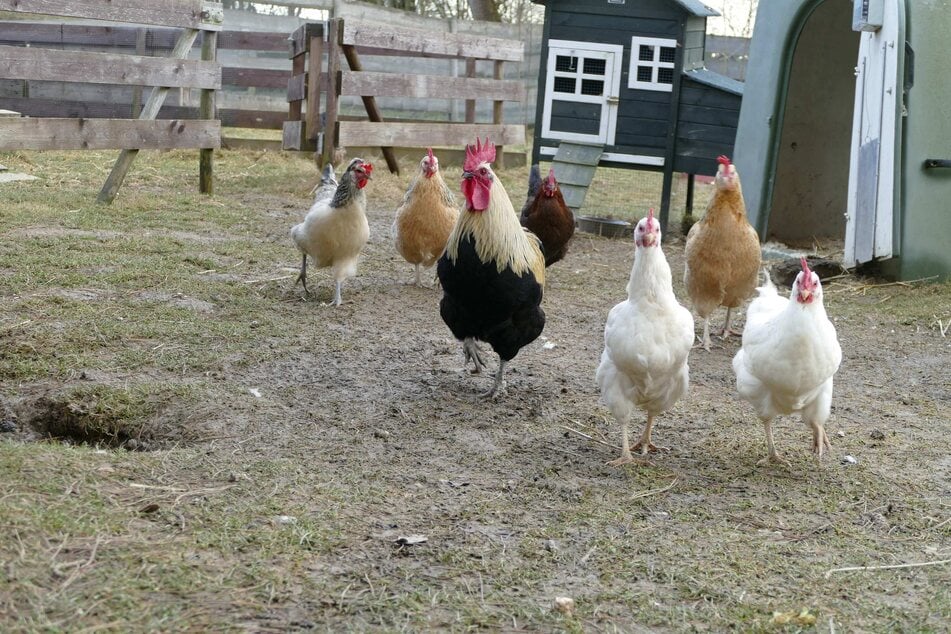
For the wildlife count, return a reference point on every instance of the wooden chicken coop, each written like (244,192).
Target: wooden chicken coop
(622,84)
(319,82)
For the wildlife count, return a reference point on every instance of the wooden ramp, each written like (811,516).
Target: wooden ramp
(574,165)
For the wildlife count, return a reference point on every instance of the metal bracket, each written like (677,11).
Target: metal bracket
(930,163)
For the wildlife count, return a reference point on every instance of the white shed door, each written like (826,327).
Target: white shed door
(581,91)
(871,203)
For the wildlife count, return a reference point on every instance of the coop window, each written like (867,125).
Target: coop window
(652,63)
(565,84)
(566,64)
(592,87)
(594,66)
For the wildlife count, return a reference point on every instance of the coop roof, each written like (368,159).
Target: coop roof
(694,7)
(716,80)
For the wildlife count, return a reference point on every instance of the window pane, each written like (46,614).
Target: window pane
(645,53)
(645,73)
(594,66)
(665,75)
(592,87)
(565,84)
(566,63)
(667,54)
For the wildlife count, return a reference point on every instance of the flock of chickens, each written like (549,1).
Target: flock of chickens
(490,262)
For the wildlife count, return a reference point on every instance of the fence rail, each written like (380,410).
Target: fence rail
(192,17)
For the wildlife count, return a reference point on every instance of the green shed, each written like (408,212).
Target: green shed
(844,132)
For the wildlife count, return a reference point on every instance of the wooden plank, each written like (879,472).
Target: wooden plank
(429,86)
(573,174)
(359,33)
(151,109)
(254,77)
(296,87)
(579,153)
(329,134)
(497,115)
(263,119)
(315,84)
(43,64)
(65,34)
(369,102)
(206,110)
(293,137)
(194,14)
(470,103)
(426,134)
(140,34)
(298,42)
(107,134)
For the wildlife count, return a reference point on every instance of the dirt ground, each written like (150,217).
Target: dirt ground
(356,429)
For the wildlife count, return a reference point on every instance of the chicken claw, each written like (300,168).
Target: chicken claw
(628,459)
(649,447)
(774,458)
(472,353)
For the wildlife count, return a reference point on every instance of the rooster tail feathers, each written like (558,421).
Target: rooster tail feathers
(768,288)
(327,176)
(534,181)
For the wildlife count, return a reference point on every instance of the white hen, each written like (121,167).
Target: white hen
(646,343)
(336,228)
(790,352)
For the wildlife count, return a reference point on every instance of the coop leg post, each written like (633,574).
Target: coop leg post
(689,204)
(209,48)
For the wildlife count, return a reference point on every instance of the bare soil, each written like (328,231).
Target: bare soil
(368,430)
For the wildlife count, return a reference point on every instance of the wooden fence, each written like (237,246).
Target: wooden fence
(193,17)
(314,122)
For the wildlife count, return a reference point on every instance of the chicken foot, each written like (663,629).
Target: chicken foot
(498,387)
(644,445)
(302,276)
(472,353)
(337,300)
(773,455)
(705,339)
(820,440)
(726,326)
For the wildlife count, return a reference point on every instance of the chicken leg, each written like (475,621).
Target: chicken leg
(644,445)
(498,387)
(773,455)
(626,457)
(472,353)
(302,276)
(820,440)
(337,300)
(726,326)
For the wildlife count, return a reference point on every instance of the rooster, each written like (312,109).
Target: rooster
(790,353)
(335,230)
(425,217)
(722,252)
(549,218)
(647,339)
(493,272)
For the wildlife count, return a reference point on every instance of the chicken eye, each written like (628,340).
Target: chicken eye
(483,171)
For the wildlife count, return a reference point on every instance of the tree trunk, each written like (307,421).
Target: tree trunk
(485,10)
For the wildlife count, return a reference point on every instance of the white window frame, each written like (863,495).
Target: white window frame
(655,64)
(608,100)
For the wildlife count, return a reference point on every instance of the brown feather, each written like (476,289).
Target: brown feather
(424,220)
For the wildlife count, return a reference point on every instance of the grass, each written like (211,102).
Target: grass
(153,319)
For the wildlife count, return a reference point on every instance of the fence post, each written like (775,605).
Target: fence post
(206,110)
(333,91)
(497,117)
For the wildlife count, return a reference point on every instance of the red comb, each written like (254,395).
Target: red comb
(368,168)
(481,153)
(724,160)
(429,152)
(650,219)
(551,177)
(805,265)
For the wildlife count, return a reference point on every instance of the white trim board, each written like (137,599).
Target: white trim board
(615,157)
